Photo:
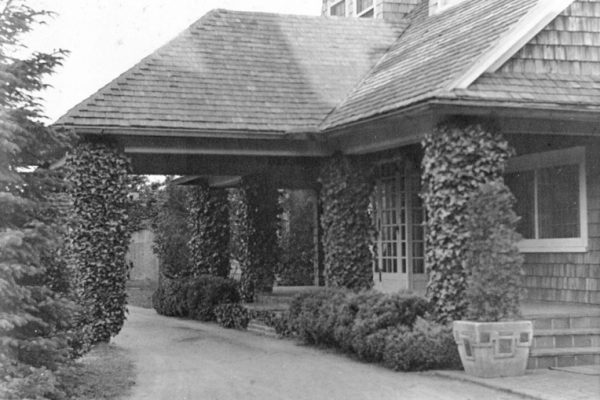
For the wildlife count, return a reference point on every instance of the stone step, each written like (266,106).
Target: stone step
(560,322)
(566,338)
(563,357)
(258,327)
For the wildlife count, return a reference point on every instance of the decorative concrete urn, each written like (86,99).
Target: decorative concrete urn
(493,349)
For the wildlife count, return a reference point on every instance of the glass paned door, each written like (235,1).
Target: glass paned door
(399,220)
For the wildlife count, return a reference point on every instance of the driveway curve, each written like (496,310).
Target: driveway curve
(179,359)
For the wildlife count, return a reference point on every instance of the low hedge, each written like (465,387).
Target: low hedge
(374,326)
(194,297)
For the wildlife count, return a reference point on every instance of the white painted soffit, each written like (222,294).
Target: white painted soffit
(512,41)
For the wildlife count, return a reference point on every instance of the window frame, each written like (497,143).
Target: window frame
(442,6)
(555,158)
(365,11)
(335,3)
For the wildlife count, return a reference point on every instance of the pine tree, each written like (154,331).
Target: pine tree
(34,316)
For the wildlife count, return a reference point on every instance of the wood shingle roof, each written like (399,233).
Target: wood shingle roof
(242,71)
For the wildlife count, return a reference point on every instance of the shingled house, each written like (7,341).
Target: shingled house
(242,92)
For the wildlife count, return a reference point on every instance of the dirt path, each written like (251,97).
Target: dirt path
(177,359)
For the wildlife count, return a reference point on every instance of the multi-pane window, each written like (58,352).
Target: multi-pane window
(399,217)
(365,9)
(338,9)
(550,199)
(387,219)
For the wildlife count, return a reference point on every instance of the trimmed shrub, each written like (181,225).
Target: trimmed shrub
(375,315)
(232,315)
(345,319)
(170,298)
(493,262)
(206,292)
(428,345)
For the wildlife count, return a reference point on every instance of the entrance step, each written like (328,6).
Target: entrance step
(565,340)
(259,328)
(569,357)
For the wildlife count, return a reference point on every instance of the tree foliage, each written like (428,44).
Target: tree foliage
(171,232)
(347,225)
(459,157)
(34,313)
(255,219)
(100,235)
(208,221)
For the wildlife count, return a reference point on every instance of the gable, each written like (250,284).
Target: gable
(569,45)
(559,67)
(430,55)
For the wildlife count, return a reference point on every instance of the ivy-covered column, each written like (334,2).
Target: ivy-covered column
(459,158)
(99,237)
(209,229)
(255,214)
(347,225)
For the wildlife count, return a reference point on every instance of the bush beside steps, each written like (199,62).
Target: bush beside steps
(376,327)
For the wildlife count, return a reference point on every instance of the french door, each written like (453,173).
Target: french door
(399,220)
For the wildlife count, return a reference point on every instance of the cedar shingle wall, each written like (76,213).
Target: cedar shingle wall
(568,277)
(568,45)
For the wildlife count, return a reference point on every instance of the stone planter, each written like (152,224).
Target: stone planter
(493,349)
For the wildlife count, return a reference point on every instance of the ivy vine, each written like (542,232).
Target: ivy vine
(255,216)
(208,221)
(459,157)
(99,237)
(347,225)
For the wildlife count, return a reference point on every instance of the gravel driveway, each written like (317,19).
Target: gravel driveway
(178,359)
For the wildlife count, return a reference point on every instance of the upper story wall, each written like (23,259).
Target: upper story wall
(391,10)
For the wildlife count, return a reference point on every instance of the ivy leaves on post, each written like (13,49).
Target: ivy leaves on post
(347,225)
(209,228)
(459,157)
(255,216)
(99,237)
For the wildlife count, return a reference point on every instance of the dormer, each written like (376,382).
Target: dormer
(391,10)
(438,6)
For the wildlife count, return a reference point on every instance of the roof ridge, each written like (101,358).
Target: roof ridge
(179,36)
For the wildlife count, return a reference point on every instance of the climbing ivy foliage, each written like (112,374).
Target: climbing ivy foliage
(208,221)
(459,157)
(347,225)
(493,262)
(99,237)
(255,219)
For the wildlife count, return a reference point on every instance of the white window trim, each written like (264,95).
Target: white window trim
(335,3)
(571,156)
(366,10)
